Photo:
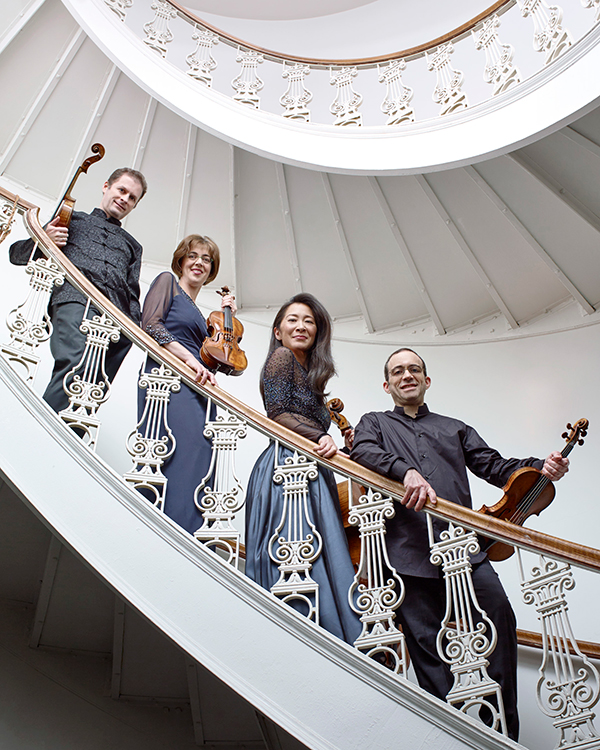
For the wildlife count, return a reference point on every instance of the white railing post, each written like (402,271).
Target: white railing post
(201,62)
(297,96)
(548,35)
(87,384)
(447,91)
(119,7)
(465,639)
(158,33)
(152,442)
(296,543)
(567,690)
(499,70)
(398,97)
(225,496)
(247,84)
(347,101)
(377,590)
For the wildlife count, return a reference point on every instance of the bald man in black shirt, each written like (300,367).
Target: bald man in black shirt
(430,454)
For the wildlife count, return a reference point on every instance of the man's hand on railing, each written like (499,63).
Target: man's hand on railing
(58,235)
(555,466)
(418,491)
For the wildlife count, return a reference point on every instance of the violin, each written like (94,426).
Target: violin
(528,492)
(220,351)
(67,203)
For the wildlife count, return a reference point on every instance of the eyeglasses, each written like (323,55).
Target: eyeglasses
(206,260)
(413,369)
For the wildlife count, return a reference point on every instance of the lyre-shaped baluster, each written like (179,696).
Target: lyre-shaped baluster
(347,101)
(398,97)
(224,497)
(500,70)
(568,687)
(549,37)
(152,442)
(448,90)
(201,62)
(467,635)
(87,384)
(377,590)
(296,543)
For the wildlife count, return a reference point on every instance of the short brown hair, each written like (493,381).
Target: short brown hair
(184,248)
(118,173)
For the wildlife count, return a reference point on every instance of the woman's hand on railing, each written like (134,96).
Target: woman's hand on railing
(326,447)
(203,375)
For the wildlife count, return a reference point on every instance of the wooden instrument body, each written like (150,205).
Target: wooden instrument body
(220,351)
(65,209)
(507,508)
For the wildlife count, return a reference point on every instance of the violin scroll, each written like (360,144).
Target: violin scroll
(65,209)
(335,407)
(577,433)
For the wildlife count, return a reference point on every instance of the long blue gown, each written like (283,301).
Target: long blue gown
(290,400)
(169,314)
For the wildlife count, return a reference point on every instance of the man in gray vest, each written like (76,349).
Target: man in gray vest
(110,258)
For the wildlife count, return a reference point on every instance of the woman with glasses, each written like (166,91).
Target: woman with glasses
(171,317)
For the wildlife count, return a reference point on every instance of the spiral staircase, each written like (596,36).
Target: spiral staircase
(477,226)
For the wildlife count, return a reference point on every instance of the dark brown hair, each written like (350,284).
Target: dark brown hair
(319,361)
(386,367)
(185,247)
(118,173)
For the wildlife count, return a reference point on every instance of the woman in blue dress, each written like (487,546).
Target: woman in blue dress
(293,381)
(171,317)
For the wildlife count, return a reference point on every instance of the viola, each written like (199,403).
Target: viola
(67,203)
(528,492)
(220,350)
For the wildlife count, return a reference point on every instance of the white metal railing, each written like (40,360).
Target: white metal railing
(569,684)
(490,64)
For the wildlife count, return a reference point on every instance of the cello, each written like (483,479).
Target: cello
(528,492)
(66,206)
(220,351)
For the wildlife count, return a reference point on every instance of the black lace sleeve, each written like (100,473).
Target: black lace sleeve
(289,399)
(156,306)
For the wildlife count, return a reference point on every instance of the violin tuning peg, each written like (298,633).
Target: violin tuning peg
(565,435)
(569,426)
(580,442)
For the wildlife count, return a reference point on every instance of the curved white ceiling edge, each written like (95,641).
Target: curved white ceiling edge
(547,102)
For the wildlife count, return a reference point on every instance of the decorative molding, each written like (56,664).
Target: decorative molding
(549,36)
(119,7)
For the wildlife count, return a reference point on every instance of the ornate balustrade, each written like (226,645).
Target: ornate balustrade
(568,687)
(477,62)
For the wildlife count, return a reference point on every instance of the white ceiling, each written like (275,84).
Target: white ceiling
(274,10)
(510,240)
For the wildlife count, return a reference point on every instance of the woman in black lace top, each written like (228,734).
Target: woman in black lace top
(171,317)
(293,382)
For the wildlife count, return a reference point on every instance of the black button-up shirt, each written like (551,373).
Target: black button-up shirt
(105,253)
(440,449)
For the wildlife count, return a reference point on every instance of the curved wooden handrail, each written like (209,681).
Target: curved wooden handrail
(535,640)
(529,539)
(500,6)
